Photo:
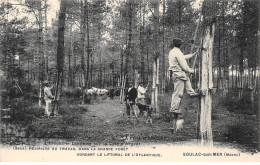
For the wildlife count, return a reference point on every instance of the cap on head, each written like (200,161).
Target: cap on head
(46,82)
(177,42)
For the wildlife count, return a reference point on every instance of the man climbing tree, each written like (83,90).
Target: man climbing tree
(179,69)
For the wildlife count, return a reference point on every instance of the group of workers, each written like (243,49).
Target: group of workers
(134,96)
(179,70)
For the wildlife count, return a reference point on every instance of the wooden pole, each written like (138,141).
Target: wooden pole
(207,85)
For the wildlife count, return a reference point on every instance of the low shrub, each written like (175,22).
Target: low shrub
(242,132)
(72,92)
(72,109)
(25,115)
(241,105)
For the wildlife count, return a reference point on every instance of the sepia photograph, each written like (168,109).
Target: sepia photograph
(129,80)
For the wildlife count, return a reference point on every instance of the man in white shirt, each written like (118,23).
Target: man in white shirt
(179,68)
(141,93)
(48,97)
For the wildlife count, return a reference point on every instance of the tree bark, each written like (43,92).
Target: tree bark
(156,58)
(70,76)
(225,54)
(206,86)
(163,51)
(88,44)
(45,44)
(142,25)
(40,47)
(179,18)
(129,44)
(60,55)
(83,46)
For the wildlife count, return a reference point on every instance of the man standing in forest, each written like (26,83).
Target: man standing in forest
(179,69)
(48,97)
(141,93)
(130,99)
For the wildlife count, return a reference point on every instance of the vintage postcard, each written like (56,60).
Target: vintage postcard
(129,81)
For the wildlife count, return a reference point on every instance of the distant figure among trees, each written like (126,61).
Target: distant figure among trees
(48,97)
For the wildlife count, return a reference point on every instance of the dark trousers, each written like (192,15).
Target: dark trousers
(129,108)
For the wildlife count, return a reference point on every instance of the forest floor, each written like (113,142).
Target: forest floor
(103,122)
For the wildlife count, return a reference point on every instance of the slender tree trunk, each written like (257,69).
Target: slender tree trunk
(241,72)
(75,57)
(129,44)
(40,47)
(45,45)
(241,61)
(82,33)
(156,58)
(28,63)
(179,18)
(219,75)
(100,70)
(121,62)
(70,79)
(236,80)
(163,51)
(88,45)
(83,46)
(147,60)
(91,65)
(142,39)
(257,84)
(225,54)
(60,55)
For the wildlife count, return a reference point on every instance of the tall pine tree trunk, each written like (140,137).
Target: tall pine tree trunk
(82,34)
(156,58)
(206,86)
(225,54)
(179,18)
(163,51)
(40,50)
(60,55)
(45,44)
(88,45)
(129,43)
(219,75)
(70,77)
(142,39)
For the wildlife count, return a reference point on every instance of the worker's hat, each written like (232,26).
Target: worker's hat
(177,41)
(46,82)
